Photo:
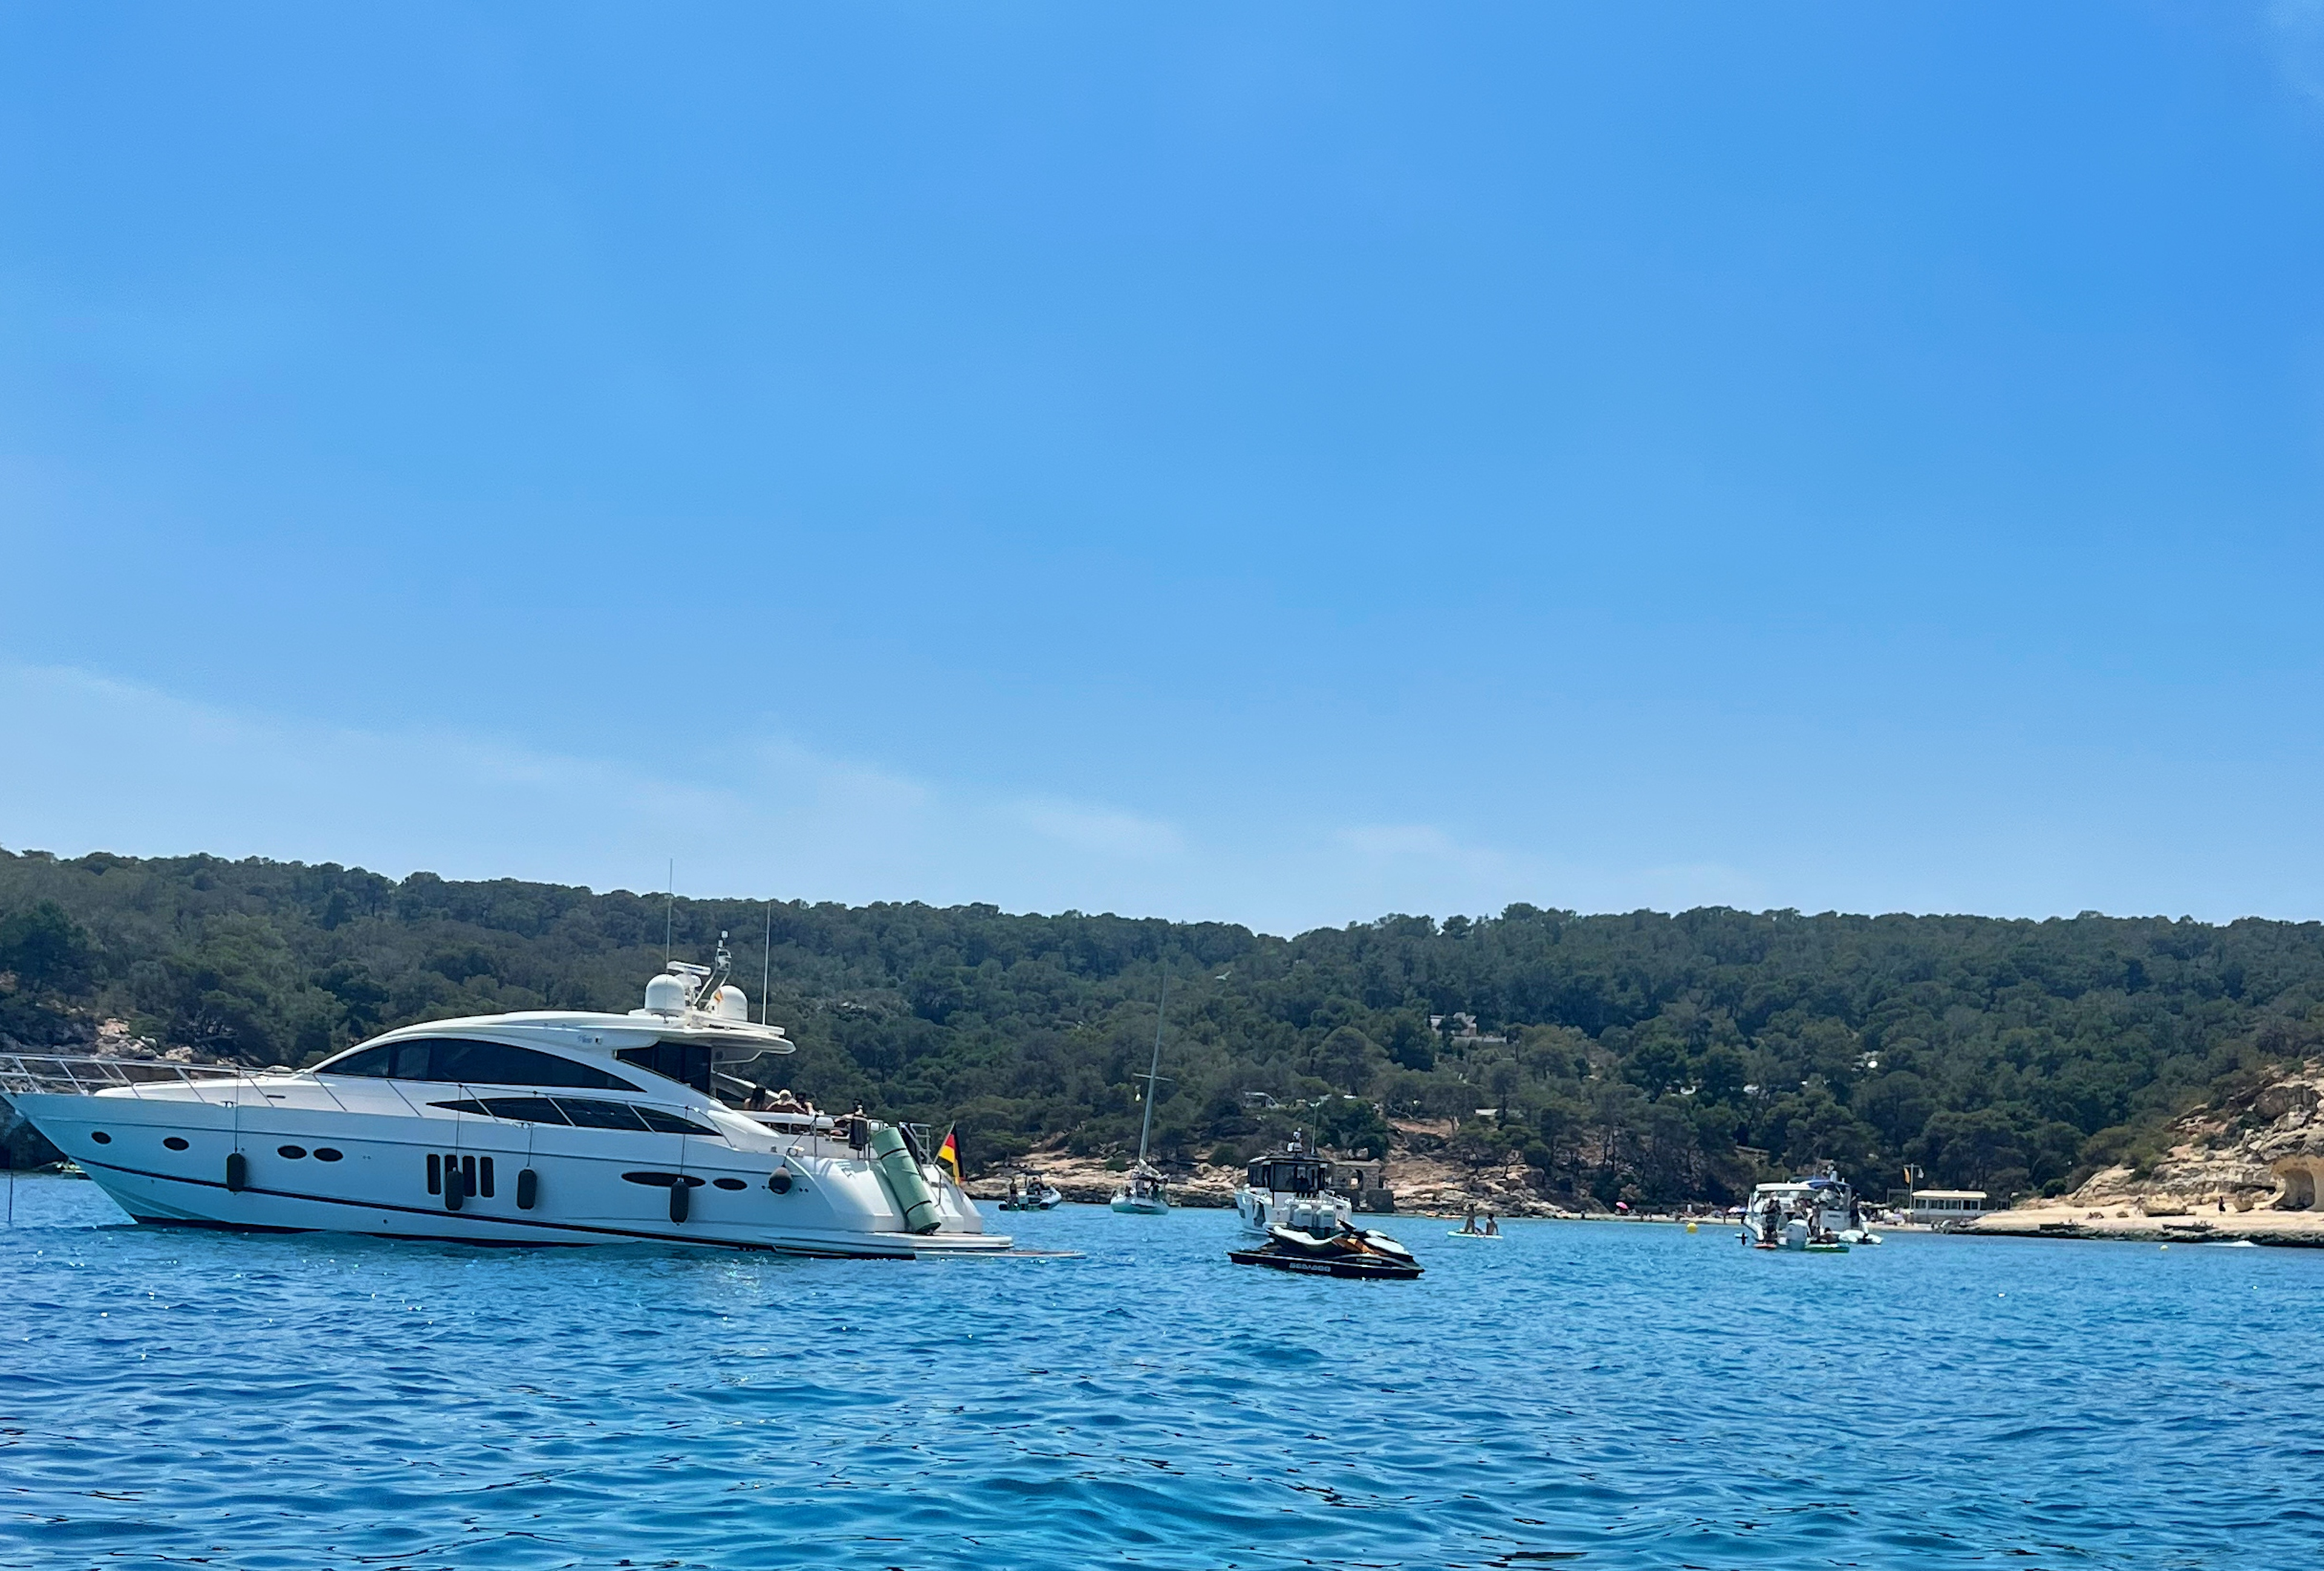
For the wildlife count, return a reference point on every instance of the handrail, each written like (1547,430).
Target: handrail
(86,1075)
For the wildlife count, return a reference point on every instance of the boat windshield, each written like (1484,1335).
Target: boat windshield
(1288,1174)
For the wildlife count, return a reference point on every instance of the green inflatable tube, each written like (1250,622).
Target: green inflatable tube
(897,1170)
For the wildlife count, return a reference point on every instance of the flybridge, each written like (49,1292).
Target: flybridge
(696,1005)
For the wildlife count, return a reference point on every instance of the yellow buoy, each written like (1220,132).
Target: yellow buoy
(2166,1246)
(1690,1227)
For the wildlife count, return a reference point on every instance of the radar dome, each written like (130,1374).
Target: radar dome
(728,1003)
(665,994)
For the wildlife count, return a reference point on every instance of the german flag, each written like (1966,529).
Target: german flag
(948,1153)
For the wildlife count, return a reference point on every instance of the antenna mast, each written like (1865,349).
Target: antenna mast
(1155,1069)
(766,962)
(670,912)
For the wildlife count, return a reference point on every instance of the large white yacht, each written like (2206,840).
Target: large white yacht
(542,1127)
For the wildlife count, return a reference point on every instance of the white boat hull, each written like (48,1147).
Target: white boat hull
(1257,1210)
(165,1160)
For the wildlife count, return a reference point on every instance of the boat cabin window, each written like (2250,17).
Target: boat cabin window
(683,1062)
(460,1060)
(516,1109)
(600,1114)
(1291,1175)
(580,1111)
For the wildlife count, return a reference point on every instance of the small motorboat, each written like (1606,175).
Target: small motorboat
(1292,1188)
(1818,1215)
(1348,1252)
(1032,1193)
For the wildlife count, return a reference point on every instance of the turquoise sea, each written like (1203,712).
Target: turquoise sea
(1607,1395)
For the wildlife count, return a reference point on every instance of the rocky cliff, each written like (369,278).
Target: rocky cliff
(2261,1148)
(2250,1166)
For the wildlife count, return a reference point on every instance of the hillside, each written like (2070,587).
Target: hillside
(1657,1058)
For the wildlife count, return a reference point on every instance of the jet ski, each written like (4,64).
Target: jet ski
(1348,1251)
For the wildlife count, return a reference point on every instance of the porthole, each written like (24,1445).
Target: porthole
(100,1137)
(174,1143)
(293,1152)
(324,1153)
(729,1183)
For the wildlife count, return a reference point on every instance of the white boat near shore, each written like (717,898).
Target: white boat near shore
(1289,1189)
(1819,1214)
(1145,1192)
(550,1127)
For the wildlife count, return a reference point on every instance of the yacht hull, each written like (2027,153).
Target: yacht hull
(251,1165)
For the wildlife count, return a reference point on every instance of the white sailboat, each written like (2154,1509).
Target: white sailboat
(1142,1194)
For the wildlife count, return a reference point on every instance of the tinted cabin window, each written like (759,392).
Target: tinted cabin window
(517,1109)
(678,1061)
(600,1114)
(372,1063)
(525,1109)
(498,1064)
(586,1113)
(459,1061)
(671,1123)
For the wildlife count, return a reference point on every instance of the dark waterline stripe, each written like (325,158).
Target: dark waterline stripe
(512,1221)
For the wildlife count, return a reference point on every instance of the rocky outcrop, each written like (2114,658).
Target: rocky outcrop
(1093,1180)
(2263,1150)
(2248,1167)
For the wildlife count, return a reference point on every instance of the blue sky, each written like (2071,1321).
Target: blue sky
(1282,463)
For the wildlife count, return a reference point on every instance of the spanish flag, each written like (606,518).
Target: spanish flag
(948,1153)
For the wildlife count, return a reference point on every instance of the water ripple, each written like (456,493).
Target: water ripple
(1604,1395)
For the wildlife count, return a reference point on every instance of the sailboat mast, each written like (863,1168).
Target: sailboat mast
(1154,1070)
